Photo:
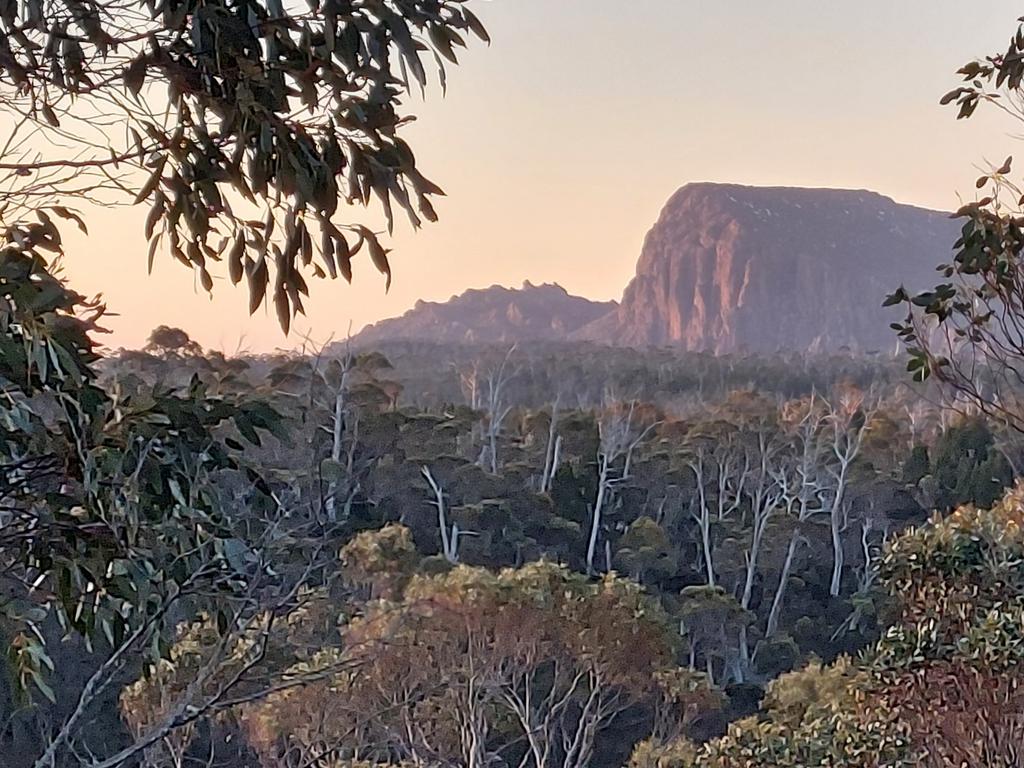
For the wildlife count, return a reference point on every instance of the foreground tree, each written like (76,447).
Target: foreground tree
(967,333)
(540,658)
(243,124)
(121,515)
(942,687)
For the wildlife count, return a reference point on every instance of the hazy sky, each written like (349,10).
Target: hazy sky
(559,143)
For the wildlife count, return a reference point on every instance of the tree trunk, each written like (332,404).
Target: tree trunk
(835,523)
(595,524)
(336,438)
(787,568)
(550,451)
(449,539)
(556,458)
(743,663)
(704,523)
(755,548)
(494,451)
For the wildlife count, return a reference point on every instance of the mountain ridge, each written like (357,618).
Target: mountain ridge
(496,314)
(731,268)
(725,268)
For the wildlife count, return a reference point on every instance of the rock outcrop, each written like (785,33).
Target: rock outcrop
(492,315)
(731,269)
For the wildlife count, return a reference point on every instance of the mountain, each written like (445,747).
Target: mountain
(729,268)
(492,315)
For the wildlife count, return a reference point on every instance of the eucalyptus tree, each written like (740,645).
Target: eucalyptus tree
(967,332)
(763,492)
(449,534)
(847,424)
(496,406)
(719,466)
(535,662)
(552,447)
(122,515)
(804,487)
(246,126)
(620,432)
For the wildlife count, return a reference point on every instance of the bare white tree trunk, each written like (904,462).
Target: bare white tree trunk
(337,429)
(551,450)
(354,484)
(449,538)
(849,424)
(618,440)
(497,380)
(337,435)
(870,570)
(765,491)
(469,381)
(595,517)
(787,568)
(764,503)
(802,487)
(728,480)
(492,439)
(556,460)
(702,517)
(838,554)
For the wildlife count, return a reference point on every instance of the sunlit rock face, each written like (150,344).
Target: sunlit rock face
(728,268)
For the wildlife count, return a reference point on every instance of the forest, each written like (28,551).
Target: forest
(470,555)
(411,555)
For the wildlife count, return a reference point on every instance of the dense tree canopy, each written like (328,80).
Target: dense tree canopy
(536,655)
(942,686)
(727,515)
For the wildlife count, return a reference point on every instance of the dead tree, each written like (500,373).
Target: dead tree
(497,410)
(847,423)
(763,492)
(619,437)
(718,465)
(804,493)
(449,536)
(552,449)
(337,435)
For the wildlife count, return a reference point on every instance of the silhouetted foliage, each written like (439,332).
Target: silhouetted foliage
(244,125)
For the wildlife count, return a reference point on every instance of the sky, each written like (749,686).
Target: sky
(559,143)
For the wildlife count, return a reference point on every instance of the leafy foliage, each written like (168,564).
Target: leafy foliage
(124,512)
(243,124)
(111,505)
(942,686)
(463,656)
(966,331)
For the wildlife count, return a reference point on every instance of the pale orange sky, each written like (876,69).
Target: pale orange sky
(559,143)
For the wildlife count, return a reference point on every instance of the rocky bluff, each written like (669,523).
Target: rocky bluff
(729,268)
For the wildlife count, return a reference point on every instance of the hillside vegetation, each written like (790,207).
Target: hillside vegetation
(465,565)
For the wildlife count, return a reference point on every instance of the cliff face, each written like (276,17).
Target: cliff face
(729,269)
(492,315)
